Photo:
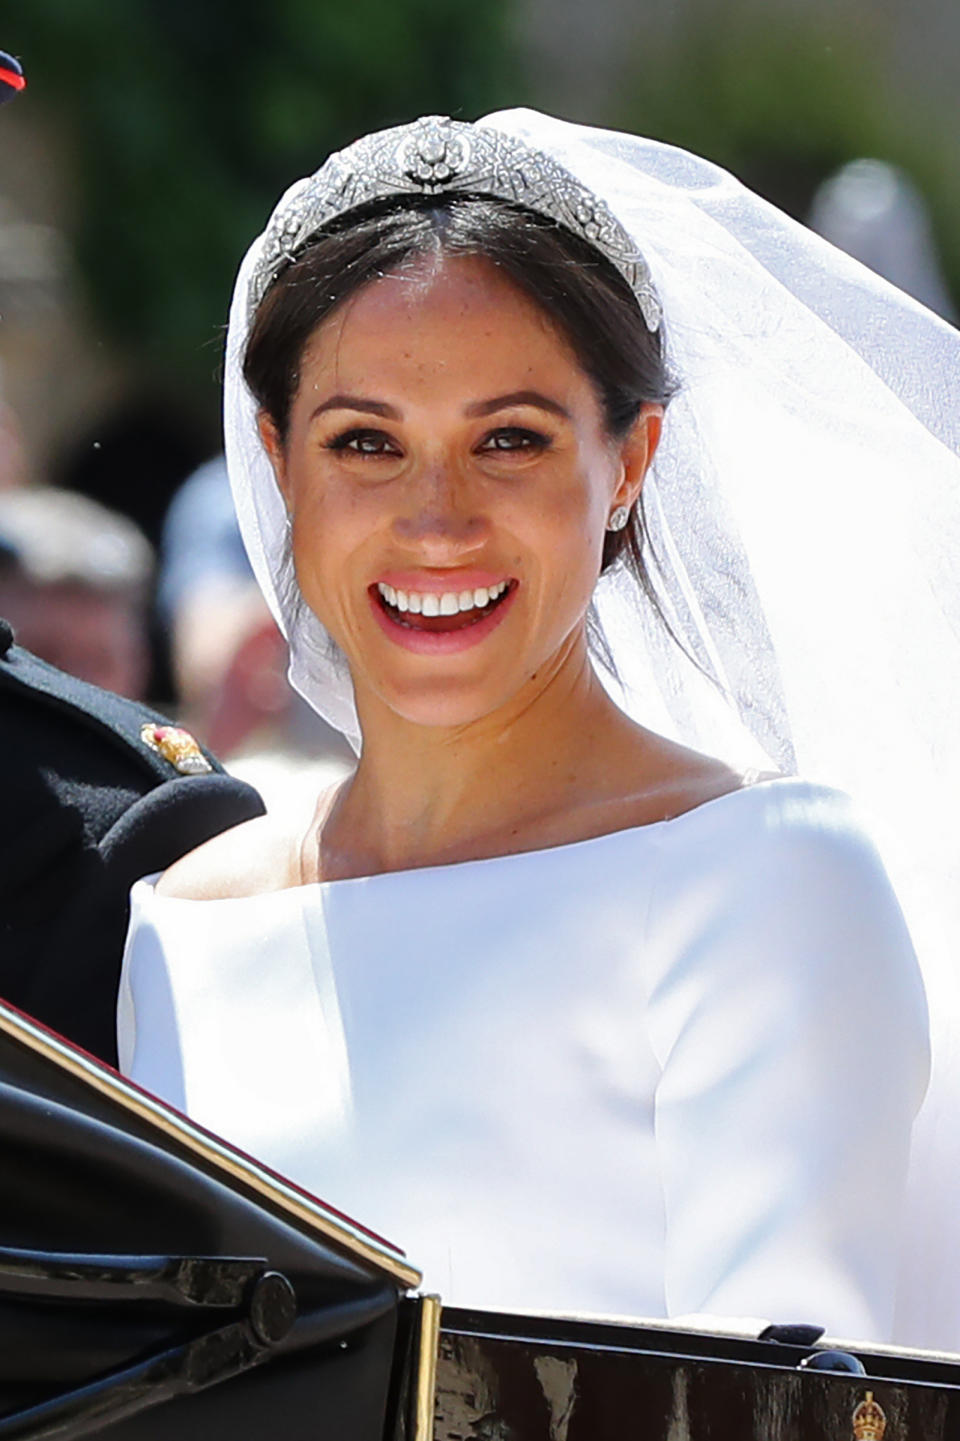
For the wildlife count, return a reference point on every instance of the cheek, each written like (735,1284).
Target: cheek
(570,528)
(326,513)
(328,528)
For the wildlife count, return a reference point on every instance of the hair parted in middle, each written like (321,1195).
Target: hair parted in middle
(578,290)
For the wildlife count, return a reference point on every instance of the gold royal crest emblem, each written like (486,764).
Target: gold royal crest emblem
(869,1420)
(178,747)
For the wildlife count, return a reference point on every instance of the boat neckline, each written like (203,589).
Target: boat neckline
(647,828)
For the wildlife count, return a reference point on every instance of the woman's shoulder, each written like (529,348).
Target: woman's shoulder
(785,861)
(777,827)
(779,891)
(765,805)
(758,811)
(253,858)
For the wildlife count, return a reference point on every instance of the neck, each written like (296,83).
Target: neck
(426,795)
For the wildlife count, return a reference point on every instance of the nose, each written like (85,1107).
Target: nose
(441,516)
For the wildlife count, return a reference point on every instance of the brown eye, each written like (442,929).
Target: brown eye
(364,442)
(514,438)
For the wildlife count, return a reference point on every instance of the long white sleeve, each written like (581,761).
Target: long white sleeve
(787,1014)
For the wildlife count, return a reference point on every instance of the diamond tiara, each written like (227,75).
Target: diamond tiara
(439,156)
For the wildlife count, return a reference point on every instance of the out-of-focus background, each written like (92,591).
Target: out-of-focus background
(154,138)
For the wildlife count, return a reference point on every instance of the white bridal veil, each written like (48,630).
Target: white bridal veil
(805,512)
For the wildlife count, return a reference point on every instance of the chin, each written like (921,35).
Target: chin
(442,708)
(439,699)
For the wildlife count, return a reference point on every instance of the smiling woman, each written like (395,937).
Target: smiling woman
(496,459)
(566,282)
(540,989)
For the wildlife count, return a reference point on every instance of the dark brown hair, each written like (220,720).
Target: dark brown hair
(581,292)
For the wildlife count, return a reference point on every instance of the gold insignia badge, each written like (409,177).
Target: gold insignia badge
(869,1420)
(178,747)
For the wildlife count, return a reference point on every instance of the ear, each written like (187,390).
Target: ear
(636,453)
(273,445)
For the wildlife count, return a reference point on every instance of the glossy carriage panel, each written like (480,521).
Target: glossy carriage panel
(157,1283)
(510,1378)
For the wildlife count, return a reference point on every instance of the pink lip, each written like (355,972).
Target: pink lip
(440,642)
(436,582)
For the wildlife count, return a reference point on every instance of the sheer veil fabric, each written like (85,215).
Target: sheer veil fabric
(804,510)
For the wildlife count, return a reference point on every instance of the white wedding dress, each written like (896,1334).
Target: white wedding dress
(668,1070)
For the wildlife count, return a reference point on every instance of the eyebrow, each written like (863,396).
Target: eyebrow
(517,397)
(367,406)
(357,402)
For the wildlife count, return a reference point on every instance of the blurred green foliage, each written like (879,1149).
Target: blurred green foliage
(187,118)
(784,99)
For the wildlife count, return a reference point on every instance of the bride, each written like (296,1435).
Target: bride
(573,987)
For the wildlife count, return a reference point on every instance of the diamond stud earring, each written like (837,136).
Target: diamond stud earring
(619,518)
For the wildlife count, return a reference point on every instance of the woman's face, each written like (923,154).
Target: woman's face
(449,480)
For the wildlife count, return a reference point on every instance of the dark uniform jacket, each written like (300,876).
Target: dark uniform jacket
(86,807)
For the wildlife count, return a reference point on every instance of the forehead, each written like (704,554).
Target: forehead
(443,322)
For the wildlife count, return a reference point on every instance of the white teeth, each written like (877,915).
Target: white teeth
(448,603)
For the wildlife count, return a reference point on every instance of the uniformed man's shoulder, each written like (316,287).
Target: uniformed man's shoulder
(97,790)
(94,720)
